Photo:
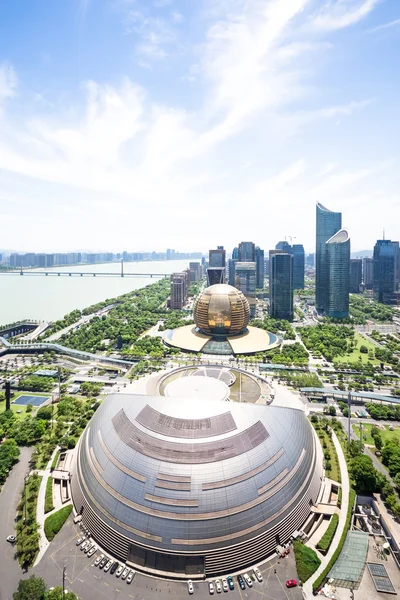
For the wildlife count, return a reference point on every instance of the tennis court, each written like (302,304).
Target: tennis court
(34,400)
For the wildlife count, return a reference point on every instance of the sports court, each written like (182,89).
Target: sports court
(27,399)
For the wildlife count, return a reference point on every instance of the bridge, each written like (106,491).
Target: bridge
(82,274)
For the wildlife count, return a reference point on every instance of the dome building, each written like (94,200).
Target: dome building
(221,314)
(182,488)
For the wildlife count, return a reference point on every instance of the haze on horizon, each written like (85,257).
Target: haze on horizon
(146,124)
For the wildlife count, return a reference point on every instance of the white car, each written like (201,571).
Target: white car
(108,565)
(119,571)
(79,541)
(84,545)
(92,551)
(225,584)
(258,575)
(248,580)
(98,560)
(88,547)
(130,576)
(125,573)
(190,586)
(218,586)
(12,539)
(211,587)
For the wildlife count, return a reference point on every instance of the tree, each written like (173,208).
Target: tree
(46,412)
(332,411)
(364,473)
(363,349)
(397,481)
(29,408)
(57,594)
(33,588)
(354,448)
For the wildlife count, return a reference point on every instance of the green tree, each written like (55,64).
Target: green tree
(332,411)
(363,473)
(45,412)
(56,594)
(396,480)
(33,588)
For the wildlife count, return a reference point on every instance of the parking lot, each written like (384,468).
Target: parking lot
(91,583)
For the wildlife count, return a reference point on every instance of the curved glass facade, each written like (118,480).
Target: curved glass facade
(338,275)
(221,310)
(328,223)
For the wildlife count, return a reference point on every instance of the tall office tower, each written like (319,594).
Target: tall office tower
(260,267)
(397,262)
(247,252)
(338,271)
(231,271)
(284,246)
(245,281)
(179,288)
(196,271)
(298,266)
(368,272)
(217,258)
(215,275)
(384,272)
(328,223)
(310,260)
(355,275)
(281,285)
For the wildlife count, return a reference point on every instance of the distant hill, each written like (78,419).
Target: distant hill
(362,253)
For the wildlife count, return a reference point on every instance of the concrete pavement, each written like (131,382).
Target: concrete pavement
(10,571)
(307,588)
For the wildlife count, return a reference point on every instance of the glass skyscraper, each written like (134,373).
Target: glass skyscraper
(338,275)
(281,285)
(328,223)
(355,275)
(384,272)
(260,268)
(298,266)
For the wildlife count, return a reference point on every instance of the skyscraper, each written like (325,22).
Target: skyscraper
(217,258)
(384,272)
(355,275)
(260,268)
(368,272)
(245,281)
(215,275)
(298,266)
(179,289)
(337,275)
(231,271)
(284,246)
(281,285)
(328,223)
(247,252)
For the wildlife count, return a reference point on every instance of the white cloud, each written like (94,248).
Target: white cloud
(8,82)
(338,14)
(390,25)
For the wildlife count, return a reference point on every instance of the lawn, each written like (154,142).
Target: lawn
(307,560)
(385,433)
(54,522)
(353,357)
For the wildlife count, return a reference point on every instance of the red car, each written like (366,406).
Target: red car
(291,583)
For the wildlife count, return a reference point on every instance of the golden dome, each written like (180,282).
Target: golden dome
(221,310)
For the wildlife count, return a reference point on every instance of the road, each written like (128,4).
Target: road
(10,572)
(82,321)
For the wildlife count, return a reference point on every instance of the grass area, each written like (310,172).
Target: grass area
(354,357)
(326,540)
(331,458)
(55,460)
(54,522)
(15,408)
(48,502)
(27,528)
(307,560)
(386,434)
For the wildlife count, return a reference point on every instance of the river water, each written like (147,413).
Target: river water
(50,298)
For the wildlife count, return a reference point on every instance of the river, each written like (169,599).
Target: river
(50,298)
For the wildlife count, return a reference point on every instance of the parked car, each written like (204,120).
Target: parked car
(84,545)
(247,579)
(98,560)
(257,574)
(79,541)
(92,551)
(231,583)
(291,583)
(12,539)
(114,568)
(211,587)
(131,575)
(119,570)
(218,586)
(190,586)
(103,562)
(108,565)
(225,584)
(88,547)
(241,582)
(125,573)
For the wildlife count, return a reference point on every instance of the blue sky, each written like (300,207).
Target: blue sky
(146,124)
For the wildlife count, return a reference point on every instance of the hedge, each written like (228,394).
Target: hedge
(339,498)
(54,522)
(55,460)
(318,582)
(48,502)
(307,560)
(326,540)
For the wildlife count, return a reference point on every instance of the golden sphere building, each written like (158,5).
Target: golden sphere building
(221,314)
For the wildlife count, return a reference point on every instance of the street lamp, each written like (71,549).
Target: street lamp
(63,581)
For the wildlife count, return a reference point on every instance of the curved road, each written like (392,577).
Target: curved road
(10,571)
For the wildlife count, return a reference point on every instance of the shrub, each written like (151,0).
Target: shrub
(54,522)
(326,540)
(307,560)
(48,503)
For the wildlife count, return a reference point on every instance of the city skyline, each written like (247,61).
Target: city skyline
(187,112)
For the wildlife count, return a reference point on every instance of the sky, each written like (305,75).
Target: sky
(146,124)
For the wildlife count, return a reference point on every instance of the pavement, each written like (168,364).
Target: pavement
(90,583)
(40,514)
(10,571)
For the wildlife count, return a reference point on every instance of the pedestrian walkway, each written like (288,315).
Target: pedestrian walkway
(307,588)
(40,515)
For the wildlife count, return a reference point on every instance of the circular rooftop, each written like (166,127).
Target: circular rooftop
(221,310)
(202,388)
(187,488)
